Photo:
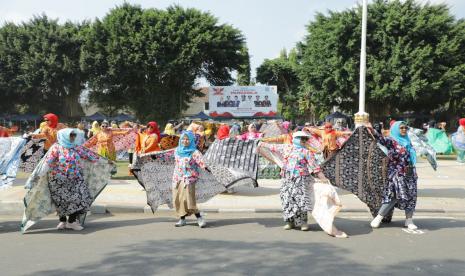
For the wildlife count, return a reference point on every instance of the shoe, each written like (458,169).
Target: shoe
(305,227)
(376,222)
(181,223)
(75,226)
(410,225)
(341,235)
(201,222)
(289,226)
(61,225)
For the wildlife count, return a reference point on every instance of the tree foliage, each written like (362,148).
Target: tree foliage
(282,72)
(415,59)
(39,66)
(148,60)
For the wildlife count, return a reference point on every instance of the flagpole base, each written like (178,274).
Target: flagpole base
(361,119)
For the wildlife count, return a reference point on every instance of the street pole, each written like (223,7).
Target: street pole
(361,117)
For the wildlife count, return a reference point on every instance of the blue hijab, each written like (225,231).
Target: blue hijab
(183,151)
(403,140)
(297,143)
(64,140)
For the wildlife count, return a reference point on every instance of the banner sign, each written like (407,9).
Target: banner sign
(243,101)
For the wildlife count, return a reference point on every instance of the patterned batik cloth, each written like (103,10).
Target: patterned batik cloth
(233,162)
(31,154)
(421,146)
(10,152)
(169,142)
(359,167)
(38,201)
(296,196)
(154,171)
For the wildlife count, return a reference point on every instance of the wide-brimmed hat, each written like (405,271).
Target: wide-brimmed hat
(300,134)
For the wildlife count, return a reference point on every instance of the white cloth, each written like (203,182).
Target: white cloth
(327,205)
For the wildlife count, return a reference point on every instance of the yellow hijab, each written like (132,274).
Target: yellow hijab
(169,129)
(95,128)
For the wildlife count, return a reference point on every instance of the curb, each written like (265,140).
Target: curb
(17,208)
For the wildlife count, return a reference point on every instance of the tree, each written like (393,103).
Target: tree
(148,60)
(40,65)
(282,72)
(243,72)
(415,59)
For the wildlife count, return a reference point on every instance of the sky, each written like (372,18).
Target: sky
(268,25)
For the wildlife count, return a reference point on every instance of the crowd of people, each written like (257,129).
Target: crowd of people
(299,151)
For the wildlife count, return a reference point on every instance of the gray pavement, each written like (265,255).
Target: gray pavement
(233,244)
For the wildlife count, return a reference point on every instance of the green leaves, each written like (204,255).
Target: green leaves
(413,59)
(148,60)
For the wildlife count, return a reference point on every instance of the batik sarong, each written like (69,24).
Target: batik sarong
(296,196)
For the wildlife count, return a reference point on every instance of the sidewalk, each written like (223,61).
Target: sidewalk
(442,191)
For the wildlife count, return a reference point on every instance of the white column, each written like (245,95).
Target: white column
(361,117)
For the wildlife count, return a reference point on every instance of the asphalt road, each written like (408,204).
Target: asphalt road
(233,244)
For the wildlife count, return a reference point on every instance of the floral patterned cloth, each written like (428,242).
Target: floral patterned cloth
(38,201)
(112,144)
(401,184)
(65,162)
(187,169)
(250,136)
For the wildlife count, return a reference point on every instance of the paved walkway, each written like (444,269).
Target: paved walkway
(442,191)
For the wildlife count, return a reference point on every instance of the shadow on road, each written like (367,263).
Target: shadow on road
(213,257)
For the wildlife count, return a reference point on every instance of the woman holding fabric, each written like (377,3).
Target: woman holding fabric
(401,189)
(68,190)
(48,132)
(329,137)
(297,182)
(188,162)
(252,133)
(148,140)
(104,141)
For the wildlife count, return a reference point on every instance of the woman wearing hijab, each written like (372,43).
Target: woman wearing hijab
(188,162)
(104,141)
(68,190)
(169,129)
(48,132)
(401,189)
(148,140)
(252,133)
(458,140)
(223,132)
(94,130)
(297,181)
